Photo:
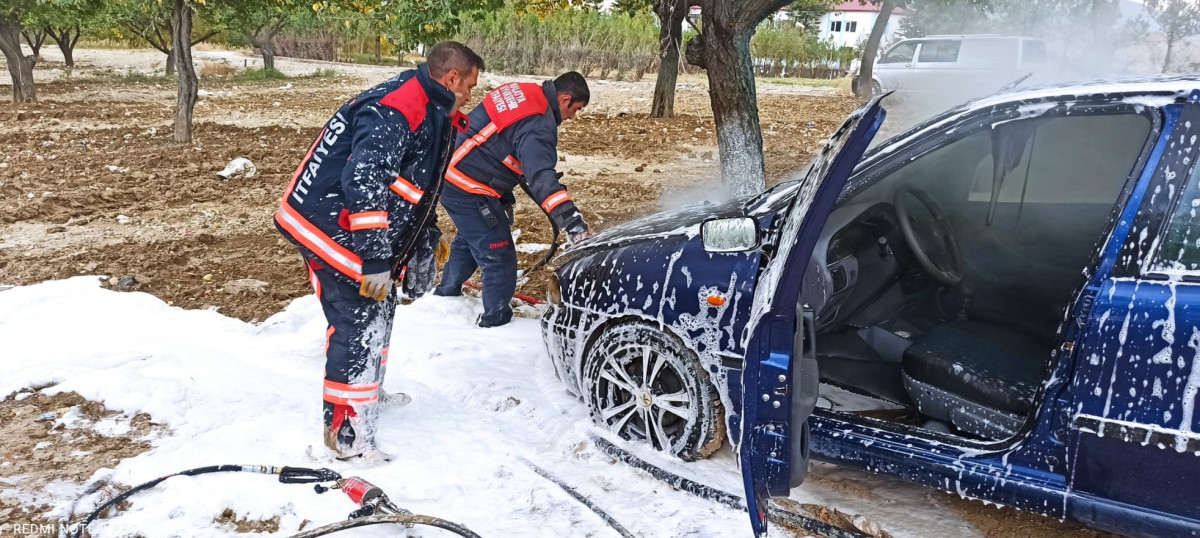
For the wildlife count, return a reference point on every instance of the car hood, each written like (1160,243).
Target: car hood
(684,221)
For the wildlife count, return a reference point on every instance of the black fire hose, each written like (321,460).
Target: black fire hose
(287,475)
(579,497)
(402,519)
(375,508)
(774,513)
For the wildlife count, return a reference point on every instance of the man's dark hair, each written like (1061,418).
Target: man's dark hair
(573,84)
(450,56)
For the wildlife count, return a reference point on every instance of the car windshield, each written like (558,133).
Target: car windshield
(773,198)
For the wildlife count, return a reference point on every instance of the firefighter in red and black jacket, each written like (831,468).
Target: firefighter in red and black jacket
(361,209)
(513,138)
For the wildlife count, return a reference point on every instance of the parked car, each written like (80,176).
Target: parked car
(957,67)
(1002,303)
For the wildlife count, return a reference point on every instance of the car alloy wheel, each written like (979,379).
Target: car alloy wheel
(645,386)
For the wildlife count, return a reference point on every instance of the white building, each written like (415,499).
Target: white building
(852,21)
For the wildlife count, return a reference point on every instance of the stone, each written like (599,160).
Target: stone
(245,286)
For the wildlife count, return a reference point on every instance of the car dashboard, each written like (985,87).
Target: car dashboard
(852,263)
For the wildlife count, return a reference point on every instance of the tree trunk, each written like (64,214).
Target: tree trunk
(266,48)
(268,57)
(35,40)
(670,36)
(1170,49)
(866,72)
(20,67)
(378,50)
(171,62)
(735,109)
(188,84)
(68,52)
(66,43)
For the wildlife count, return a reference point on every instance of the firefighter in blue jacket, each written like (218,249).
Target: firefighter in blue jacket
(361,209)
(513,138)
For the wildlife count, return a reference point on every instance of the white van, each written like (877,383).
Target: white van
(958,66)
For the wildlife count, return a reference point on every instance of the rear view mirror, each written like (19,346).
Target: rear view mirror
(737,234)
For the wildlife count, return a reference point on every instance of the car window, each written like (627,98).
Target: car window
(1180,250)
(1069,160)
(900,54)
(1034,52)
(940,51)
(989,52)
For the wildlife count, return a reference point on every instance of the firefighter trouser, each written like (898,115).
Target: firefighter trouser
(484,241)
(356,349)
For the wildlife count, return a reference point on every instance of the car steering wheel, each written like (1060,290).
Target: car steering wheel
(934,245)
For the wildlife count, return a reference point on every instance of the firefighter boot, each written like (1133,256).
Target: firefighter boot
(350,435)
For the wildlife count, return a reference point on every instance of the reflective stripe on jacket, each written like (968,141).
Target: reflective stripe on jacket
(368,186)
(514,134)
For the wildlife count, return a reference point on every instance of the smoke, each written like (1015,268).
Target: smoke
(1081,40)
(709,189)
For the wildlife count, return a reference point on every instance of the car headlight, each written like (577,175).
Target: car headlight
(553,293)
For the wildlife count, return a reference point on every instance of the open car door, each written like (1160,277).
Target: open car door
(780,381)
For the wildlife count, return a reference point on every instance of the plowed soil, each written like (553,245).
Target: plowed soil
(91,183)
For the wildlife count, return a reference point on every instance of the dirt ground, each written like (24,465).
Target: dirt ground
(53,438)
(91,184)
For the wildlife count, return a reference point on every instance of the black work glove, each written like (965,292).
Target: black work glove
(422,269)
(578,231)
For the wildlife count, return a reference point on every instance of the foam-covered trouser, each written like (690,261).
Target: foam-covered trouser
(356,349)
(484,241)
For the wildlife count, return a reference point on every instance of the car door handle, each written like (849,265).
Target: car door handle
(908,65)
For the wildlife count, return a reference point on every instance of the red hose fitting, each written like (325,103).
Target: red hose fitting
(360,491)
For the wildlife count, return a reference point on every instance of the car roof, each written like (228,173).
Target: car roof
(1173,86)
(1154,91)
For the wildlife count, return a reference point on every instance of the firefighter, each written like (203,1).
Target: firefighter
(361,209)
(513,138)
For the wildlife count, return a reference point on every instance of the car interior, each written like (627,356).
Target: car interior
(938,287)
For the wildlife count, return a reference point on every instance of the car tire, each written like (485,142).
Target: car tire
(678,401)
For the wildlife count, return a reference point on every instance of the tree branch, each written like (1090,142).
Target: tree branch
(752,12)
(277,27)
(143,32)
(205,37)
(163,43)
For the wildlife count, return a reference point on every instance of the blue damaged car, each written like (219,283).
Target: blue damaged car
(1003,303)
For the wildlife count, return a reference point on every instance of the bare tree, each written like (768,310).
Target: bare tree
(185,102)
(1179,19)
(670,40)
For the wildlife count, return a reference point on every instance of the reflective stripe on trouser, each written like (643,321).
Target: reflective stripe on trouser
(359,332)
(479,245)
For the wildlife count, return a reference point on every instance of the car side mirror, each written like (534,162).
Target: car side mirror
(737,234)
